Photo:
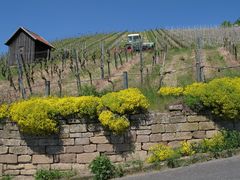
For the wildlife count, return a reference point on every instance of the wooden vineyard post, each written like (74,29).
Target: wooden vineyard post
(235,53)
(115,59)
(125,80)
(199,67)
(141,62)
(77,73)
(47,88)
(126,54)
(108,62)
(20,79)
(102,60)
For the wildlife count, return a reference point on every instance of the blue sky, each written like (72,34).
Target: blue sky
(57,19)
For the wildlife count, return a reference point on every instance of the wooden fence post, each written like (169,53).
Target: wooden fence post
(102,60)
(77,73)
(199,67)
(115,59)
(141,62)
(47,88)
(125,80)
(108,62)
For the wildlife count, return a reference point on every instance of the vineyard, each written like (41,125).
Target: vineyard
(101,63)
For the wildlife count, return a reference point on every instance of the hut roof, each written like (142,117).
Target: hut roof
(33,35)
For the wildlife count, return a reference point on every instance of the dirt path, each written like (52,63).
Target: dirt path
(176,67)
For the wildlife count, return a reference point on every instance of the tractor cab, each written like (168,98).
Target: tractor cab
(133,42)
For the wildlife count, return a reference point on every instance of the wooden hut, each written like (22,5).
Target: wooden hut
(29,44)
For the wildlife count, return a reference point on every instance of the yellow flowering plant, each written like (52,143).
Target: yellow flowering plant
(38,116)
(117,124)
(186,149)
(170,91)
(160,152)
(128,101)
(3,111)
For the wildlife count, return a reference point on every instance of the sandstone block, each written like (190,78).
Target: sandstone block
(130,137)
(161,118)
(61,166)
(99,140)
(177,119)
(143,132)
(8,159)
(86,157)
(15,167)
(116,158)
(87,135)
(199,134)
(183,135)
(210,134)
(12,172)
(196,119)
(206,126)
(117,139)
(94,127)
(42,159)
(29,166)
(82,141)
(28,172)
(138,146)
(49,142)
(104,147)
(54,149)
(3,150)
(155,137)
(170,127)
(11,142)
(177,107)
(77,128)
(146,146)
(168,136)
(24,158)
(157,128)
(174,144)
(74,149)
(123,147)
(67,142)
(20,150)
(187,127)
(90,148)
(138,155)
(43,166)
(67,158)
(143,138)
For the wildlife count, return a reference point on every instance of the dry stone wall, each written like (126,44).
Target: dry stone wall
(80,142)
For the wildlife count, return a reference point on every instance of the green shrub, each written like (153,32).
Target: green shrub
(52,174)
(88,90)
(224,140)
(102,168)
(7,177)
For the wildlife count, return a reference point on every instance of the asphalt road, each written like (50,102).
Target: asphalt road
(221,169)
